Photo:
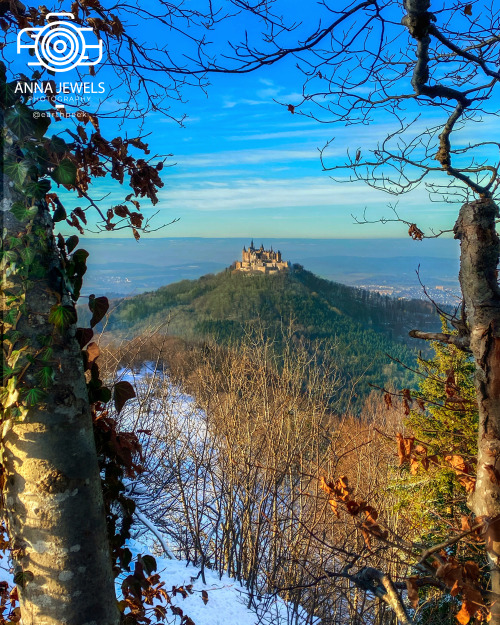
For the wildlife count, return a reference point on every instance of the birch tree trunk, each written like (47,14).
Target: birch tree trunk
(53,501)
(480,248)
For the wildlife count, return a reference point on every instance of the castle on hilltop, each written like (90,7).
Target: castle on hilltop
(260,260)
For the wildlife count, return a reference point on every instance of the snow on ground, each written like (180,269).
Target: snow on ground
(227,599)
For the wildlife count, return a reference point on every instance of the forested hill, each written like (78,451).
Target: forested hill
(318,307)
(362,327)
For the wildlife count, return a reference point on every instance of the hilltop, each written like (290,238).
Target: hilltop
(360,327)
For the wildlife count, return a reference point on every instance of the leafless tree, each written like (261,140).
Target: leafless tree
(428,71)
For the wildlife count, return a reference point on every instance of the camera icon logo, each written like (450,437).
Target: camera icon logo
(60,46)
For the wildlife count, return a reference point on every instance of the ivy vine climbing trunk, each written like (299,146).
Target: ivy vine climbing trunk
(52,495)
(480,249)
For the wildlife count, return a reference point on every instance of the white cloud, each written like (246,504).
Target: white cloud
(279,194)
(247,157)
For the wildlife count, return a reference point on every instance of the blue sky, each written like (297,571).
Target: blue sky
(244,166)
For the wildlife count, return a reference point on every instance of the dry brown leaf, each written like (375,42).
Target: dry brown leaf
(413,466)
(411,585)
(93,352)
(457,463)
(456,588)
(415,232)
(405,446)
(450,572)
(472,571)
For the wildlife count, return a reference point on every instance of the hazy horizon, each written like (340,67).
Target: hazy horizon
(120,266)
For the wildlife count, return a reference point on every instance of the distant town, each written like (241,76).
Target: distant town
(439,293)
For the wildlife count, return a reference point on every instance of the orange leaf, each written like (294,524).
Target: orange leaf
(371,514)
(463,617)
(455,589)
(324,485)
(413,466)
(415,232)
(405,446)
(457,463)
(334,506)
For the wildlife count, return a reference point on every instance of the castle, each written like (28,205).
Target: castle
(260,260)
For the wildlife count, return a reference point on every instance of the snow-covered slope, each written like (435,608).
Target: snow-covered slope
(227,602)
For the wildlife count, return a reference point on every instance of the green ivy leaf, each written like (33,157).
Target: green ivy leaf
(98,392)
(28,255)
(47,354)
(60,213)
(22,578)
(37,190)
(34,396)
(18,209)
(14,241)
(8,95)
(8,371)
(11,316)
(16,171)
(58,145)
(65,172)
(20,120)
(11,337)
(62,316)
(46,376)
(41,125)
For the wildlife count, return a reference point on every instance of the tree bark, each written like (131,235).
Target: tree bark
(479,257)
(53,501)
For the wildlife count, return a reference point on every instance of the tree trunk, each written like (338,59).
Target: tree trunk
(479,257)
(52,496)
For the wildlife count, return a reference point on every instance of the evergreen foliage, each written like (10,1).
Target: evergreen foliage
(359,329)
(445,423)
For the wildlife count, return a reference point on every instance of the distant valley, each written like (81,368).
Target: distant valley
(119,267)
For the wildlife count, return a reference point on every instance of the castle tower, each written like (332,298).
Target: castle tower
(260,260)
